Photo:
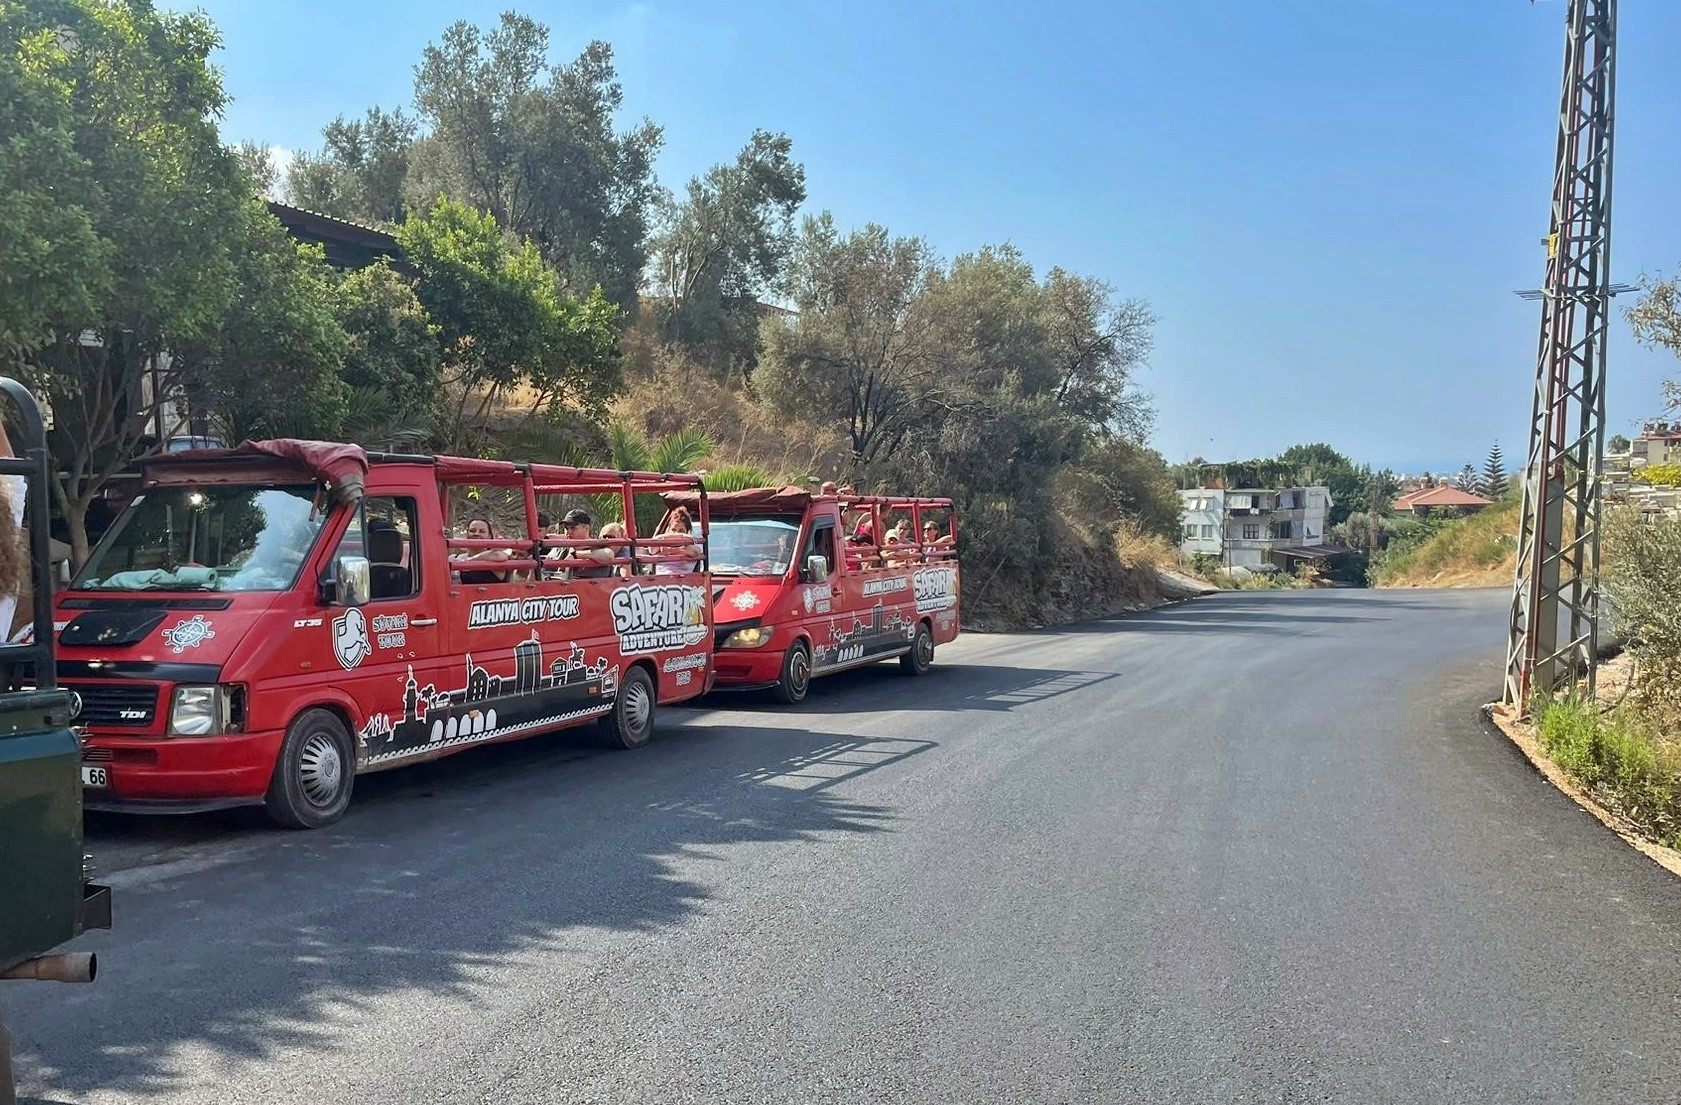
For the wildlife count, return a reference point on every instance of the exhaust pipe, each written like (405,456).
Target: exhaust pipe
(74,967)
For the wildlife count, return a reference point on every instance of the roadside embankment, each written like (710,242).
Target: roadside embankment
(1476,551)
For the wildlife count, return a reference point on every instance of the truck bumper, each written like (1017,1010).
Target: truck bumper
(181,774)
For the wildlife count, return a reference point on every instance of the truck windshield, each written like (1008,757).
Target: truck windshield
(752,546)
(206,539)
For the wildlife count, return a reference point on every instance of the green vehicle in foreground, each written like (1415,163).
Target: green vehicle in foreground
(45,896)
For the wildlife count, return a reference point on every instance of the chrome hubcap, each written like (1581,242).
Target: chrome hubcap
(639,706)
(320,769)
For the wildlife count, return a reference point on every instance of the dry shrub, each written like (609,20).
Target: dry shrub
(1136,548)
(669,393)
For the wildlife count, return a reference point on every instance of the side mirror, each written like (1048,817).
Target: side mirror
(351,582)
(816,569)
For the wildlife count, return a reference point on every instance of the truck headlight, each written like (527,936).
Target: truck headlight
(199,711)
(751,637)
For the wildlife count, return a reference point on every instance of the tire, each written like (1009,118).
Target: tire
(921,656)
(314,774)
(795,681)
(631,724)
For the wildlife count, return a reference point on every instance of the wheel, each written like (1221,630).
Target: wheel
(921,656)
(795,680)
(631,724)
(314,774)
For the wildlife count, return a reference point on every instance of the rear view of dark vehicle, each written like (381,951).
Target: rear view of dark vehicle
(45,898)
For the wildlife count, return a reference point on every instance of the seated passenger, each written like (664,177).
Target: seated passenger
(828,487)
(578,562)
(616,531)
(931,534)
(480,529)
(678,523)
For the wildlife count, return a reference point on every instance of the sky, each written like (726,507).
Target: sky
(1328,205)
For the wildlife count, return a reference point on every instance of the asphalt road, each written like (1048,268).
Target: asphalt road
(1254,848)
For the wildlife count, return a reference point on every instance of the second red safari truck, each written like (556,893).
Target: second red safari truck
(263,624)
(809,584)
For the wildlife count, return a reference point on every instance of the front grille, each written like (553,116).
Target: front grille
(132,704)
(96,755)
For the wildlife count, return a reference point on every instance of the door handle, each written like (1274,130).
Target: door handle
(835,592)
(424,621)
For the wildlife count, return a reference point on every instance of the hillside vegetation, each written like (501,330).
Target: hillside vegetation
(1476,551)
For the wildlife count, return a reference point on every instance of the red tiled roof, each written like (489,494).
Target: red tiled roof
(1440,496)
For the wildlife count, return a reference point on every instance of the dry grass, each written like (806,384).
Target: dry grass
(1478,551)
(671,395)
(1137,549)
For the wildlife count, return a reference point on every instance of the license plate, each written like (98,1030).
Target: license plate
(95,776)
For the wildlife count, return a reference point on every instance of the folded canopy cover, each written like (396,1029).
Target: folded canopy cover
(792,500)
(342,468)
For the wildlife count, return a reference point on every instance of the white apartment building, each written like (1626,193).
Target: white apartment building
(1249,527)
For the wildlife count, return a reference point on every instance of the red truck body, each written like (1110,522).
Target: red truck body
(797,596)
(271,679)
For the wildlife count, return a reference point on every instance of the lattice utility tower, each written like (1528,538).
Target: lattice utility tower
(1555,598)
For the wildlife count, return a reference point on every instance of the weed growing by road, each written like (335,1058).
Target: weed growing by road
(1618,759)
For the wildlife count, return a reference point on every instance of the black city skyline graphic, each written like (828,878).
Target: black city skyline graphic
(883,630)
(487,705)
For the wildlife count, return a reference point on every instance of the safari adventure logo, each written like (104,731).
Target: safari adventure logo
(658,619)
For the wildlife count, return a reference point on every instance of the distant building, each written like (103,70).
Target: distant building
(1425,501)
(1251,527)
(1658,443)
(347,245)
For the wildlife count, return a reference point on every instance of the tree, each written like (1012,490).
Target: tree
(1619,443)
(55,268)
(391,357)
(724,245)
(1468,480)
(859,352)
(537,149)
(1495,483)
(258,163)
(361,170)
(1320,464)
(272,368)
(132,92)
(507,334)
(1097,344)
(1656,315)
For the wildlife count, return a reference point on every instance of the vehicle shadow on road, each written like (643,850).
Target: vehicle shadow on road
(958,687)
(433,883)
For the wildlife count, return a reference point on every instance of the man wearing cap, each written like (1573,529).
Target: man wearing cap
(596,563)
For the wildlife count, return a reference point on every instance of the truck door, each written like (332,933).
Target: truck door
(820,603)
(392,648)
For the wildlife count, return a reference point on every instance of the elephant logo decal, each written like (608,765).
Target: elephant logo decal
(350,638)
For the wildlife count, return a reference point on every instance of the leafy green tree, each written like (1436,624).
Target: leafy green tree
(1495,482)
(1619,443)
(1321,464)
(860,351)
(536,148)
(739,477)
(132,92)
(55,268)
(1656,315)
(724,245)
(391,359)
(272,369)
(1468,480)
(507,333)
(360,172)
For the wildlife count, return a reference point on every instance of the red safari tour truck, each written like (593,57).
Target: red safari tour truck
(264,623)
(805,585)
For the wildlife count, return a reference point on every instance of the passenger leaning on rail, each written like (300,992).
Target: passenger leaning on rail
(480,529)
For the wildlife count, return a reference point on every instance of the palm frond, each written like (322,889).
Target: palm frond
(739,477)
(629,450)
(682,451)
